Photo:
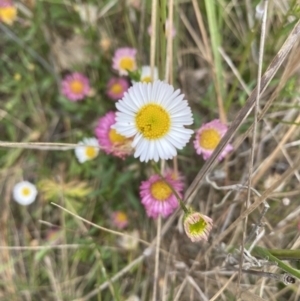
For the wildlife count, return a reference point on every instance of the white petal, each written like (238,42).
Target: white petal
(136,140)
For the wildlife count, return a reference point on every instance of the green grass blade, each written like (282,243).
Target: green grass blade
(215,43)
(265,253)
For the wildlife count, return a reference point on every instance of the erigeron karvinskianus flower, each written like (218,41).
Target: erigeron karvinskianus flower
(116,87)
(119,219)
(146,74)
(157,196)
(75,86)
(110,141)
(197,226)
(88,149)
(8,12)
(208,137)
(124,60)
(175,175)
(24,193)
(155,115)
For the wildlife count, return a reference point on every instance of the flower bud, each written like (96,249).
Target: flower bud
(197,226)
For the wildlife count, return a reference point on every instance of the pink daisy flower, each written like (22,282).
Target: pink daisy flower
(208,137)
(5,3)
(120,219)
(116,87)
(110,141)
(8,12)
(157,196)
(75,86)
(176,176)
(124,59)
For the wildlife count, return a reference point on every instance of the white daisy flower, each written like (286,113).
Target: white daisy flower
(146,75)
(24,193)
(88,149)
(155,115)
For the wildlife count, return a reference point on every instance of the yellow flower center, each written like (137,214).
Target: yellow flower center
(127,63)
(76,86)
(25,191)
(160,190)
(8,14)
(209,139)
(114,137)
(198,227)
(153,121)
(90,152)
(17,76)
(116,88)
(146,79)
(121,217)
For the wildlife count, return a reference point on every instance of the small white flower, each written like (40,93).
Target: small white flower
(24,193)
(155,115)
(146,75)
(88,149)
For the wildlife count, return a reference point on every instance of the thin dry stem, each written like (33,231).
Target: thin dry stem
(193,33)
(245,111)
(52,278)
(291,67)
(169,59)
(156,267)
(5,258)
(40,145)
(153,36)
(260,200)
(234,70)
(264,166)
(97,226)
(254,141)
(209,58)
(39,248)
(223,288)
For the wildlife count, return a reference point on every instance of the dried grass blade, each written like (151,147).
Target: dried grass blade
(245,111)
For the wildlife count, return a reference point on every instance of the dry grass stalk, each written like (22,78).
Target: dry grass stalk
(260,200)
(291,67)
(245,111)
(266,164)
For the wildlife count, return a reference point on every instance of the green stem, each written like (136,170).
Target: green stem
(129,28)
(285,254)
(267,254)
(162,7)
(180,202)
(216,43)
